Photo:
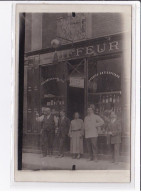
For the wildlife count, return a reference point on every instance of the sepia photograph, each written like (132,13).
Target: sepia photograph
(74,99)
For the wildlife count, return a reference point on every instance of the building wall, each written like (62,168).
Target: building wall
(105,24)
(28,22)
(40,29)
(36,31)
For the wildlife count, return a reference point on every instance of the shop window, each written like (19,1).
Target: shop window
(52,86)
(104,85)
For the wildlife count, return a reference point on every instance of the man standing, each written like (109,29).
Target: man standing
(48,131)
(91,122)
(64,125)
(114,129)
(56,119)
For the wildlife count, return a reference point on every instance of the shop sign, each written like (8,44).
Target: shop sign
(77,82)
(104,73)
(86,51)
(51,79)
(46,58)
(72,28)
(92,50)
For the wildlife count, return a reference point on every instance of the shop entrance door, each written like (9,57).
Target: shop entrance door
(75,102)
(75,88)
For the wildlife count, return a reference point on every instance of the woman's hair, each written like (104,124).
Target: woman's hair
(75,113)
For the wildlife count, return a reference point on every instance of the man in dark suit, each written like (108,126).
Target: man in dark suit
(63,129)
(48,131)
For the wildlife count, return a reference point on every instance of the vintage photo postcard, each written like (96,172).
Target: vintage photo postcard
(73,93)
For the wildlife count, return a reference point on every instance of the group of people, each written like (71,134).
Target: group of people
(77,130)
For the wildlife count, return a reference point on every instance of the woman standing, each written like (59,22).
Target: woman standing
(76,134)
(114,129)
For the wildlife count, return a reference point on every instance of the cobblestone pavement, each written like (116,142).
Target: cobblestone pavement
(32,161)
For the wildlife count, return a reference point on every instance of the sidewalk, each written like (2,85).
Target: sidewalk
(37,162)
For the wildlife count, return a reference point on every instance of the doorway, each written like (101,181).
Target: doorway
(75,101)
(75,88)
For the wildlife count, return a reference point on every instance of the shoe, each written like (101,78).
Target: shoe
(95,160)
(58,156)
(78,156)
(90,159)
(44,155)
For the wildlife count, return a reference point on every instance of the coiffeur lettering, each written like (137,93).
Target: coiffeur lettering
(92,50)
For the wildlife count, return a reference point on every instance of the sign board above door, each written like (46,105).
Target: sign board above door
(77,82)
(102,46)
(109,47)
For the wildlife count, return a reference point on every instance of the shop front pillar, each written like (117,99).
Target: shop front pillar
(86,86)
(25,100)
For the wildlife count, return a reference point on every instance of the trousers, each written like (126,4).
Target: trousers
(92,147)
(115,151)
(47,141)
(62,145)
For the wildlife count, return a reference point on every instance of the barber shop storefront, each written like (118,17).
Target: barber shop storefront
(73,77)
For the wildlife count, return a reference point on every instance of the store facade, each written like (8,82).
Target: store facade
(73,77)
